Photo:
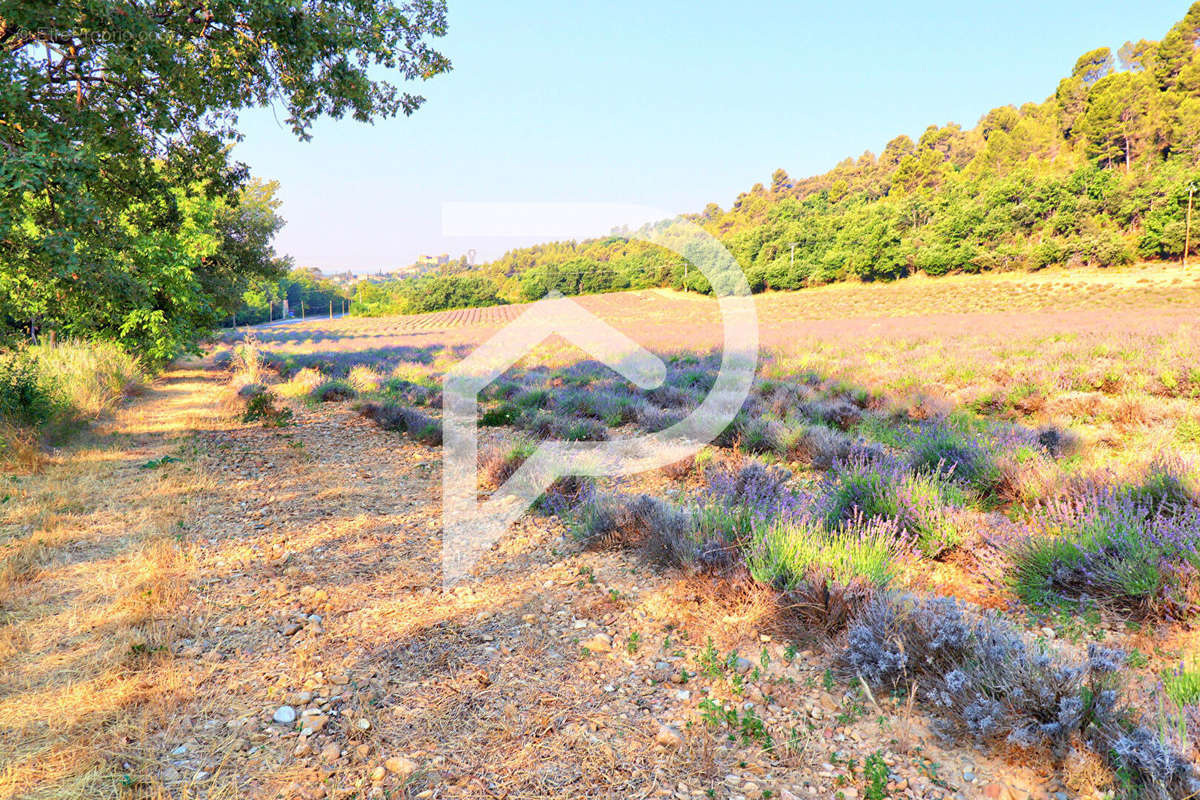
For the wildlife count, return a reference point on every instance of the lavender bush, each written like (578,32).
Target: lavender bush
(799,550)
(937,447)
(663,532)
(393,417)
(925,507)
(986,682)
(565,495)
(1112,545)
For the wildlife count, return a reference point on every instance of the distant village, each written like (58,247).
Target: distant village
(424,264)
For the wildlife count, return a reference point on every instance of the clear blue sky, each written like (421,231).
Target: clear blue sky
(667,104)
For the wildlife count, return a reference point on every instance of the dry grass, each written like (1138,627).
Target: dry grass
(91,586)
(20,450)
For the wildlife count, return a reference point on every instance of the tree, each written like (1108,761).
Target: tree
(1116,123)
(1136,56)
(1177,48)
(780,182)
(1093,66)
(114,120)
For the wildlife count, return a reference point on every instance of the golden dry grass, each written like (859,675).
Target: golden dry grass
(90,582)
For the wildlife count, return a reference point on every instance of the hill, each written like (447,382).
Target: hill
(1100,173)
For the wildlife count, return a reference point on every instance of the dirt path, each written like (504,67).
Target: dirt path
(91,574)
(263,617)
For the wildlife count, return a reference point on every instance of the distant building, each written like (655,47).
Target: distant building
(433,261)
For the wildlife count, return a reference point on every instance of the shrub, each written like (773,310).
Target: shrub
(583,430)
(533,398)
(388,416)
(1111,545)
(678,470)
(412,393)
(837,411)
(24,398)
(499,464)
(249,361)
(722,526)
(980,676)
(363,379)
(938,448)
(663,532)
(542,425)
(651,418)
(87,378)
(730,434)
(760,436)
(820,446)
(1154,768)
(1057,442)
(933,513)
(421,427)
(501,390)
(924,506)
(864,488)
(669,395)
(1182,684)
(565,494)
(789,553)
(42,385)
(751,483)
(578,402)
(302,383)
(622,410)
(260,406)
(503,414)
(1165,486)
(333,390)
(393,417)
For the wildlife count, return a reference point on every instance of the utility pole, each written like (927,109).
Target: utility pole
(1187,236)
(331,308)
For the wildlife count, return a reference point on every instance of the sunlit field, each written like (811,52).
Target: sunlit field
(921,468)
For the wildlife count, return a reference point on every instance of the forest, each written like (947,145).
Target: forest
(1101,173)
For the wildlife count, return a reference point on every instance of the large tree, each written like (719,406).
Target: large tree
(115,120)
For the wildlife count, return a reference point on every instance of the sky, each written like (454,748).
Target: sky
(670,105)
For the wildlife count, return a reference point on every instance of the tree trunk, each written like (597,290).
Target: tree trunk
(1187,235)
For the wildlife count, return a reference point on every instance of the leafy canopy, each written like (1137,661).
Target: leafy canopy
(118,203)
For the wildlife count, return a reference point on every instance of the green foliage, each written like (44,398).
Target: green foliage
(307,295)
(789,552)
(71,381)
(121,215)
(1182,684)
(24,399)
(425,293)
(875,773)
(333,390)
(161,461)
(503,414)
(261,407)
